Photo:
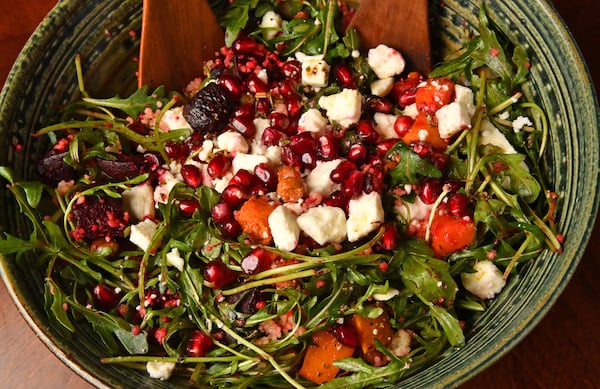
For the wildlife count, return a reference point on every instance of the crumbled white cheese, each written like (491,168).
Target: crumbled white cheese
(324,224)
(521,122)
(384,125)
(415,211)
(400,343)
(167,180)
(315,70)
(219,184)
(382,87)
(160,370)
(452,118)
(271,22)
(344,107)
(284,228)
(318,179)
(486,282)
(490,135)
(257,147)
(142,233)
(173,119)
(312,121)
(174,259)
(385,61)
(365,214)
(247,161)
(504,115)
(411,110)
(464,95)
(233,142)
(138,201)
(206,150)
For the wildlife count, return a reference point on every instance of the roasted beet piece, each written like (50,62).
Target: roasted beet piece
(53,168)
(96,217)
(128,166)
(210,110)
(248,302)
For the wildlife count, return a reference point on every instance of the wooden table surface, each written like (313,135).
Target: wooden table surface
(563,351)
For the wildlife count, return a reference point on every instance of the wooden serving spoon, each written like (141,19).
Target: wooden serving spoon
(401,24)
(177,37)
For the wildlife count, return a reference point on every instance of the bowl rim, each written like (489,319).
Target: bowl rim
(476,366)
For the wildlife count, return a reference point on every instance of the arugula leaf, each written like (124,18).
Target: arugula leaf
(55,303)
(135,104)
(236,18)
(429,278)
(410,166)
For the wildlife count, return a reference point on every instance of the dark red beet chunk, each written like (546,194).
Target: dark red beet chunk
(97,217)
(128,166)
(210,110)
(53,168)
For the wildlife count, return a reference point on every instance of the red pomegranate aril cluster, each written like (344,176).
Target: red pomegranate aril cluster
(458,204)
(218,166)
(105,297)
(266,176)
(271,136)
(342,171)
(192,175)
(188,207)
(234,195)
(353,185)
(430,190)
(217,275)
(327,147)
(366,132)
(198,344)
(232,85)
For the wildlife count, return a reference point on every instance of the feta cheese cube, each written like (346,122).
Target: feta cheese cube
(400,343)
(233,142)
(416,211)
(464,95)
(142,233)
(174,259)
(206,150)
(271,22)
(521,122)
(139,201)
(365,214)
(411,110)
(315,70)
(486,282)
(312,121)
(219,184)
(385,61)
(247,161)
(324,224)
(384,125)
(344,107)
(257,147)
(490,135)
(452,118)
(285,230)
(318,179)
(160,370)
(173,119)
(382,87)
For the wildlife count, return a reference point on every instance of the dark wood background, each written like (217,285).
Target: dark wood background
(563,351)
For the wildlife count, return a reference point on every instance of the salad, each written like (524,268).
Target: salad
(301,214)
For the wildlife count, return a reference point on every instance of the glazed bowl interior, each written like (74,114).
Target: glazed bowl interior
(105,36)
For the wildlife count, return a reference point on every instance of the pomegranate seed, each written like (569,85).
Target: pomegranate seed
(327,147)
(337,199)
(287,88)
(266,176)
(176,150)
(344,75)
(217,275)
(105,297)
(272,136)
(245,110)
(373,181)
(244,125)
(403,124)
(198,344)
(342,171)
(375,162)
(221,213)
(346,334)
(256,261)
(389,239)
(386,145)
(352,186)
(309,159)
(430,190)
(289,158)
(378,104)
(439,160)
(279,120)
(292,69)
(231,85)
(160,334)
(192,175)
(457,205)
(247,45)
(294,106)
(218,166)
(243,178)
(234,195)
(255,84)
(357,153)
(188,207)
(303,143)
(366,132)
(263,106)
(424,150)
(231,229)
(404,90)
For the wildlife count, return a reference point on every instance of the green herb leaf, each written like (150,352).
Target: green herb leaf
(410,166)
(135,104)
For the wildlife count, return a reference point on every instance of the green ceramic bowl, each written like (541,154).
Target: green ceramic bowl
(43,79)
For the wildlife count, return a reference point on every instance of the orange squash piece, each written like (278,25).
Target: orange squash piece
(253,216)
(369,330)
(319,357)
(423,123)
(450,234)
(290,186)
(436,93)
